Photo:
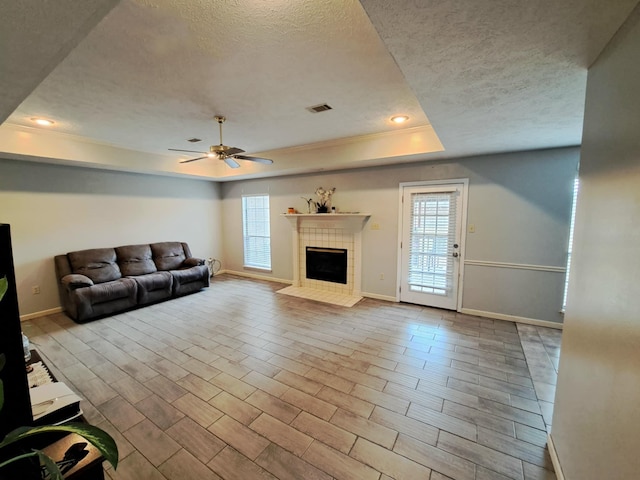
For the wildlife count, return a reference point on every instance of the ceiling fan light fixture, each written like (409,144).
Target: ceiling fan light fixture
(223,152)
(44,122)
(399,119)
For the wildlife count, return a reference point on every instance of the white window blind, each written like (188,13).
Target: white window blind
(433,228)
(256,231)
(576,186)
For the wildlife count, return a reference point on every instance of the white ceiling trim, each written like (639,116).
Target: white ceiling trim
(35,144)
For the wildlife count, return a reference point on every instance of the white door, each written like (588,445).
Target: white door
(431,244)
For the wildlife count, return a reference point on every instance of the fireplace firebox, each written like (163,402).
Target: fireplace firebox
(328,264)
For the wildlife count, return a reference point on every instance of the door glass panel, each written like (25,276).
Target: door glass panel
(432,238)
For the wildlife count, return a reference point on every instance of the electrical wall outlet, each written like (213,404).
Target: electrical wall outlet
(35,289)
(472,229)
(382,276)
(375,226)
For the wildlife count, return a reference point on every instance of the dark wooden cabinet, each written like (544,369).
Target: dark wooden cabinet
(16,410)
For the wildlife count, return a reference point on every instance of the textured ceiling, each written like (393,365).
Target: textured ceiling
(33,40)
(499,75)
(491,75)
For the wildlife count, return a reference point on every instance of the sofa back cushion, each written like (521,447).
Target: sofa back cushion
(168,255)
(135,260)
(99,264)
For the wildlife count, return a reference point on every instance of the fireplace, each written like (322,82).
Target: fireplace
(335,242)
(327,264)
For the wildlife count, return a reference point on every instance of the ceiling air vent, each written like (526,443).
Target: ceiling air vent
(194,140)
(319,108)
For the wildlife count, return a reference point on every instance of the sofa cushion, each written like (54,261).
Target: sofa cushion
(135,260)
(104,299)
(154,287)
(168,255)
(99,264)
(190,279)
(110,291)
(154,281)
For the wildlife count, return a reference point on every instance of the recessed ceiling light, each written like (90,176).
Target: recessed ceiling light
(399,119)
(43,121)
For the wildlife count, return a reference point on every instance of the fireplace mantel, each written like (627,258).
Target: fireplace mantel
(347,230)
(350,221)
(326,214)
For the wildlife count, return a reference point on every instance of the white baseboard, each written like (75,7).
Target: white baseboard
(43,313)
(387,298)
(554,458)
(512,318)
(256,276)
(376,296)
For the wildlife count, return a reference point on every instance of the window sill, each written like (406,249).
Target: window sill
(257,269)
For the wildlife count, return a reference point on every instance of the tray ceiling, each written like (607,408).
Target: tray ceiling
(124,81)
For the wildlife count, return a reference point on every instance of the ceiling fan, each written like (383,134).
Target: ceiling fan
(223,152)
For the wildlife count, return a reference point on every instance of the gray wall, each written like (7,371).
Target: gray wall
(56,209)
(519,203)
(596,417)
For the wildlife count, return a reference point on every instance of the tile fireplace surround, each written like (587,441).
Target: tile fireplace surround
(327,230)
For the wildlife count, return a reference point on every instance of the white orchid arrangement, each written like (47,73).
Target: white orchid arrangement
(325,197)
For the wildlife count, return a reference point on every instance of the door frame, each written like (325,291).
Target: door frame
(463,226)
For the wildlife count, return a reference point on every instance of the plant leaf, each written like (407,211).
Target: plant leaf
(3,360)
(50,465)
(4,284)
(98,437)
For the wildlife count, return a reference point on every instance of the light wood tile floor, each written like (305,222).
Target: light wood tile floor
(237,382)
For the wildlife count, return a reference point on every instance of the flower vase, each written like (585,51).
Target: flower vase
(322,209)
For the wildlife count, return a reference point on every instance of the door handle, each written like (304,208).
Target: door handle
(455,254)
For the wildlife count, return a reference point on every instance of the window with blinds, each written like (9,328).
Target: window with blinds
(433,228)
(256,231)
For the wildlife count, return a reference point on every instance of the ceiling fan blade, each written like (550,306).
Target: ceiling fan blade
(266,161)
(193,159)
(233,151)
(190,151)
(231,162)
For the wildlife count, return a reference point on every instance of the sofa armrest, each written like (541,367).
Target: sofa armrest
(75,280)
(192,262)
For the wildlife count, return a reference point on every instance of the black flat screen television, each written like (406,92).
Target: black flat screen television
(16,410)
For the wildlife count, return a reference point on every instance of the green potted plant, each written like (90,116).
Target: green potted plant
(96,436)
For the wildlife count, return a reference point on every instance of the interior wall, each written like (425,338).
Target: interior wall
(596,415)
(57,209)
(519,204)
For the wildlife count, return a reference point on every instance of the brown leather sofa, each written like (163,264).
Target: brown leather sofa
(102,281)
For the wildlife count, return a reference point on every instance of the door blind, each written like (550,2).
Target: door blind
(433,229)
